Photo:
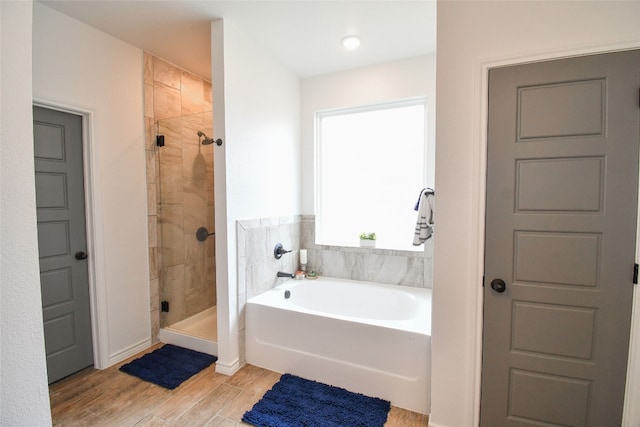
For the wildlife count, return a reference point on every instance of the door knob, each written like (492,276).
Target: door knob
(498,285)
(81,255)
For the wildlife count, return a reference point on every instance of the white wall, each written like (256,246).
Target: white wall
(257,170)
(24,394)
(82,68)
(473,36)
(369,85)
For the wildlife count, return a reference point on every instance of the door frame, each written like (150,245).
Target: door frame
(95,233)
(631,414)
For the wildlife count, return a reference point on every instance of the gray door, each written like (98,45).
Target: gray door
(562,187)
(62,241)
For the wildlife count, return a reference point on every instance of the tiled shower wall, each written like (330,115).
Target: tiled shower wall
(257,266)
(179,191)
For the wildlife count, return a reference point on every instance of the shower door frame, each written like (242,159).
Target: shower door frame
(161,125)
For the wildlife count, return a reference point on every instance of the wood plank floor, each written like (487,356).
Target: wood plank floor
(112,398)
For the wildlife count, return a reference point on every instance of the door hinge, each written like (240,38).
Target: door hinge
(635,274)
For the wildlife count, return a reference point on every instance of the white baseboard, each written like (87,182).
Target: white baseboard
(128,352)
(228,369)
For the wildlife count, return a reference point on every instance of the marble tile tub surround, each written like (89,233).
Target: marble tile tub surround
(257,266)
(404,268)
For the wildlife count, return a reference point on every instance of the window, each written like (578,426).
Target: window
(369,172)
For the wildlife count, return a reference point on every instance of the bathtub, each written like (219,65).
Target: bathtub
(365,337)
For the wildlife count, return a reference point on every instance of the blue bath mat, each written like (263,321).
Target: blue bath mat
(169,366)
(296,402)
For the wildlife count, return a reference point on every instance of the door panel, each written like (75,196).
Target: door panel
(575,257)
(562,174)
(58,286)
(559,184)
(561,110)
(61,233)
(541,398)
(567,331)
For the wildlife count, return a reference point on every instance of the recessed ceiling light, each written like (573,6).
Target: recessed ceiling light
(351,42)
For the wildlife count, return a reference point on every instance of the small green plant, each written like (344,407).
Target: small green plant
(367,236)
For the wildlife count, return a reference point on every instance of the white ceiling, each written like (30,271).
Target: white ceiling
(304,35)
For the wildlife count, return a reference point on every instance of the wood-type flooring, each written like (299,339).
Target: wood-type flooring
(112,398)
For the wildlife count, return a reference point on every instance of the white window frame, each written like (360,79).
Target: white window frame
(319,115)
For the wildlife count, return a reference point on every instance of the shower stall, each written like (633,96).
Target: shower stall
(186,244)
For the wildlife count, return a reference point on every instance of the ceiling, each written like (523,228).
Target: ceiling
(303,35)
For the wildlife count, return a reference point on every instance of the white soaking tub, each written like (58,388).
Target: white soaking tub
(368,338)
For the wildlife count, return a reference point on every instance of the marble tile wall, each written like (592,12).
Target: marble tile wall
(257,266)
(179,191)
(403,268)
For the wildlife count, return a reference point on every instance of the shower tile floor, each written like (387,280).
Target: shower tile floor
(112,398)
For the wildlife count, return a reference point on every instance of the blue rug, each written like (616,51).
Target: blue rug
(296,402)
(169,366)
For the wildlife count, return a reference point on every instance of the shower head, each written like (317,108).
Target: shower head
(206,140)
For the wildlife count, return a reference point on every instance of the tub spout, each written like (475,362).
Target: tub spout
(283,274)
